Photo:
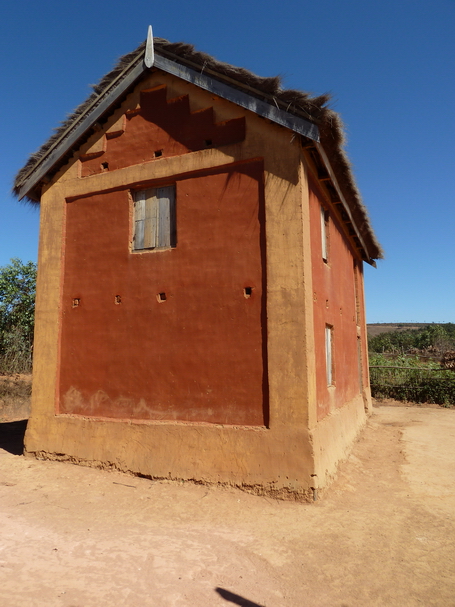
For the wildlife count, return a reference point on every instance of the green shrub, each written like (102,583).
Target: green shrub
(440,336)
(17,316)
(409,379)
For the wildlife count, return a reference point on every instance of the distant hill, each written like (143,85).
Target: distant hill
(374,329)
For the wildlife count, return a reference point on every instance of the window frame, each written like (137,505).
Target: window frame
(325,234)
(329,358)
(154,219)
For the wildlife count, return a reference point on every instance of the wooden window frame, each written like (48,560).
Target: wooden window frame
(325,234)
(154,225)
(328,334)
(357,278)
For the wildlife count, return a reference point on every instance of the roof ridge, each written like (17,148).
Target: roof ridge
(266,89)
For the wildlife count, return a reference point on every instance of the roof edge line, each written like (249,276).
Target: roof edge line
(75,130)
(237,83)
(225,91)
(334,180)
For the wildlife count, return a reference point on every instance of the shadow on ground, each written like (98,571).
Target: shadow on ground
(12,436)
(236,598)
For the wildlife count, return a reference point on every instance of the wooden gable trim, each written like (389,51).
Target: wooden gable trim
(346,209)
(318,161)
(225,91)
(78,129)
(104,102)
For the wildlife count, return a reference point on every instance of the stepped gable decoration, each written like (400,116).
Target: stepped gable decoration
(319,127)
(173,130)
(200,311)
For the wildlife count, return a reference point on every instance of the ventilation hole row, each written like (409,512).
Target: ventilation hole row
(76,302)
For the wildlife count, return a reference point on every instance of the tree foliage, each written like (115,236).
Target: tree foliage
(441,337)
(17,315)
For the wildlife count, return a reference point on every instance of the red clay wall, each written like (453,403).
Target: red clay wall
(334,300)
(361,322)
(200,354)
(158,128)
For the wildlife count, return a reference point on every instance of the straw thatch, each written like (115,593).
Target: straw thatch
(295,102)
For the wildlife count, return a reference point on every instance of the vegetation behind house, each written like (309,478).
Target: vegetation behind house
(17,316)
(414,363)
(433,339)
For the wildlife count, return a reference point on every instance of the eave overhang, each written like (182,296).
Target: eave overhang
(340,201)
(284,108)
(108,98)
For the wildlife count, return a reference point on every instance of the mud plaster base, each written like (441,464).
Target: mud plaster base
(334,437)
(283,494)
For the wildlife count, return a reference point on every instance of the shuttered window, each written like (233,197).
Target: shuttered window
(325,234)
(329,354)
(154,218)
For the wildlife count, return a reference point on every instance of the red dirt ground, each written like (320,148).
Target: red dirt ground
(382,535)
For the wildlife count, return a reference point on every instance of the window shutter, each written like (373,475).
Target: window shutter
(328,355)
(151,219)
(164,196)
(139,220)
(324,234)
(154,218)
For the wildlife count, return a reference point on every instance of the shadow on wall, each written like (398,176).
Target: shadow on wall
(236,599)
(12,436)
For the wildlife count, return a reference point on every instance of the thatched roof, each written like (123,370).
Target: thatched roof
(292,102)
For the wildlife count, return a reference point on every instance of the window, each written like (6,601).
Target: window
(329,354)
(325,233)
(360,363)
(356,293)
(154,219)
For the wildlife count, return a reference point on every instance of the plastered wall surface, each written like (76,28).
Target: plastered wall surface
(338,302)
(335,305)
(173,334)
(274,453)
(333,436)
(208,384)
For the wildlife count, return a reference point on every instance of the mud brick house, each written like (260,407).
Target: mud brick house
(200,310)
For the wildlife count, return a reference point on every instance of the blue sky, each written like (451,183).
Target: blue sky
(389,65)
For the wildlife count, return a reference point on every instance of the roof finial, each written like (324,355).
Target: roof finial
(149,58)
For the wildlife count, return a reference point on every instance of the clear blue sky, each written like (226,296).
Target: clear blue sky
(389,65)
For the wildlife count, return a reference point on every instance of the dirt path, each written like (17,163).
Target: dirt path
(383,535)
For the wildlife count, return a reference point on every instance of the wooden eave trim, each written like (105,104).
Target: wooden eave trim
(239,83)
(101,104)
(329,177)
(346,208)
(82,124)
(265,110)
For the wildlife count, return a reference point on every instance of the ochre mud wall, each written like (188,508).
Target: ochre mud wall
(198,354)
(160,127)
(334,298)
(244,413)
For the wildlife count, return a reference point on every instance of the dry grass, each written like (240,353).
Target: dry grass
(378,328)
(15,394)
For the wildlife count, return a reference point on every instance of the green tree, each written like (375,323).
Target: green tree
(434,336)
(381,343)
(17,315)
(440,336)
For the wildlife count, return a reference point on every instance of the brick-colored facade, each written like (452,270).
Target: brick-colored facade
(206,359)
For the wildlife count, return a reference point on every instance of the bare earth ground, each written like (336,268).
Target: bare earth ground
(383,535)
